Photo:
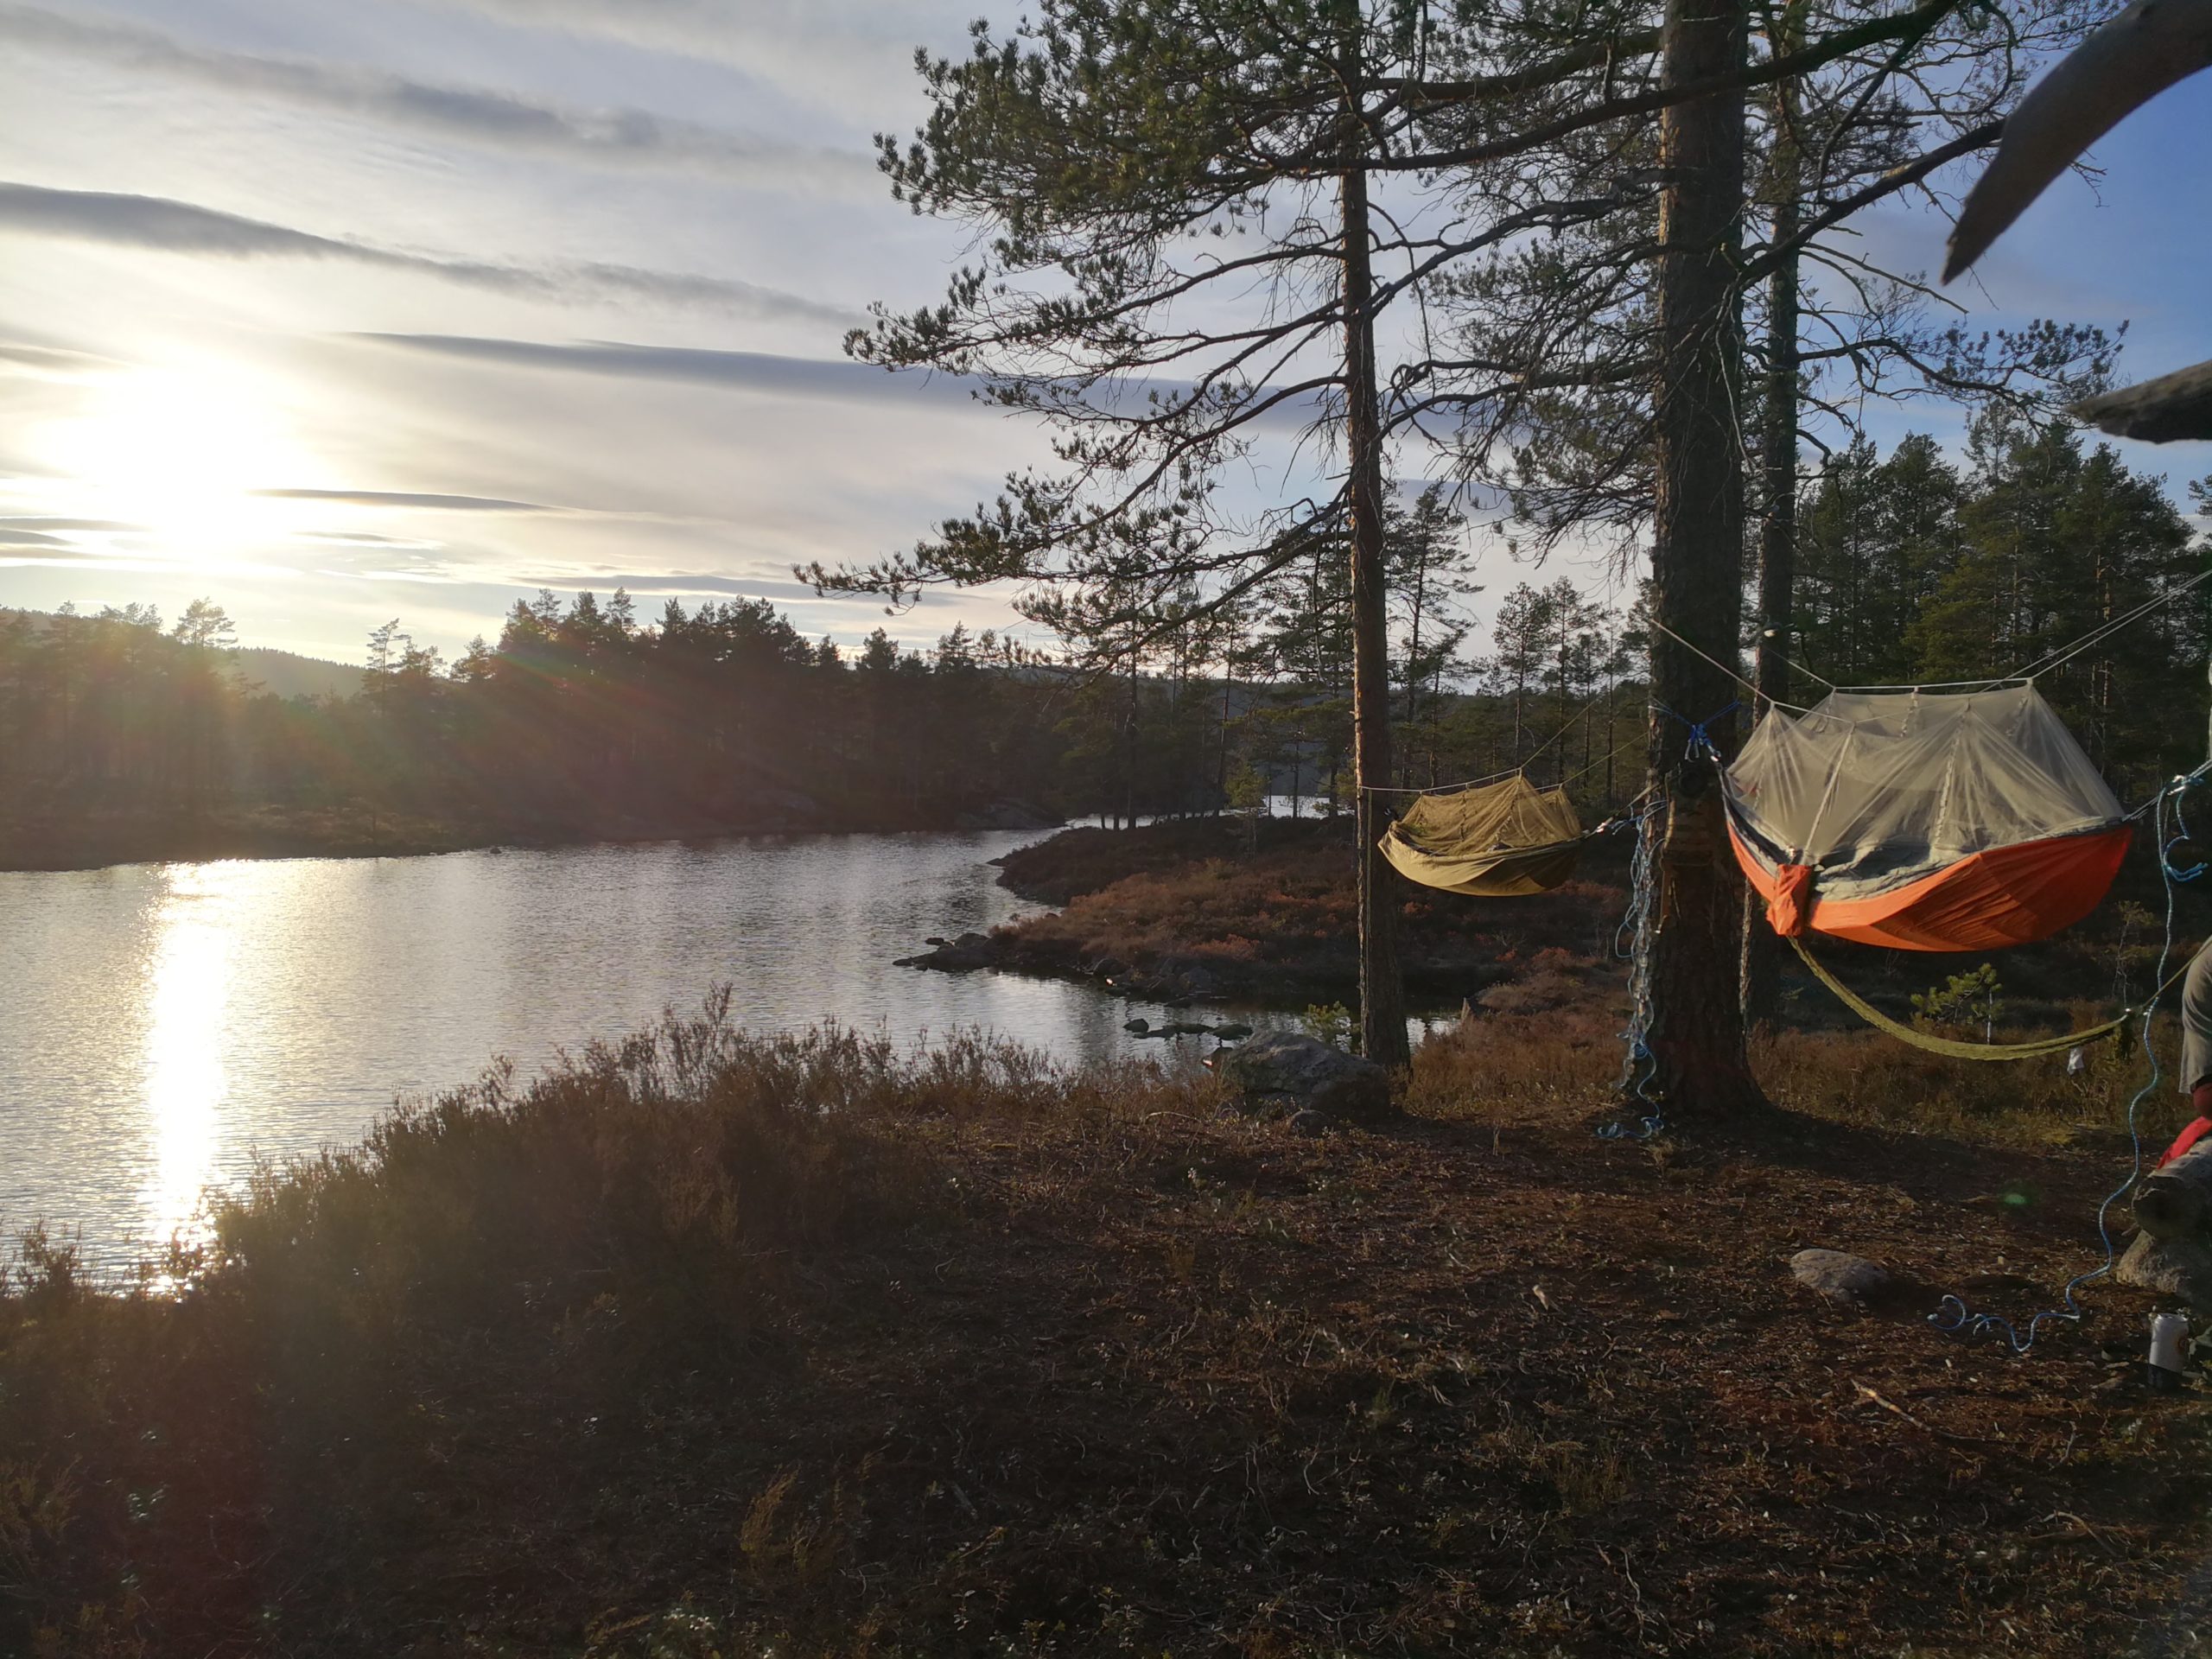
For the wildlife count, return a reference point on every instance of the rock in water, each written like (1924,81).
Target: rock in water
(1837,1274)
(1288,1071)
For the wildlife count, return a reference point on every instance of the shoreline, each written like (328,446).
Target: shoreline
(98,844)
(1204,911)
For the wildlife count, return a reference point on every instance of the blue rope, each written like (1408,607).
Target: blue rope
(2175,790)
(1701,741)
(1953,1315)
(1639,1066)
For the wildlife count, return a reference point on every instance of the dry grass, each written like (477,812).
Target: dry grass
(713,1344)
(1279,927)
(1551,1044)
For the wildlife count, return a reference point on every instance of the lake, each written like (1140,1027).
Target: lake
(164,1023)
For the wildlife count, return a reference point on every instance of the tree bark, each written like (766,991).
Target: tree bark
(1760,978)
(1696,1034)
(1381,991)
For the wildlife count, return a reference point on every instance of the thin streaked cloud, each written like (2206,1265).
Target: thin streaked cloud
(411,499)
(757,371)
(159,225)
(616,135)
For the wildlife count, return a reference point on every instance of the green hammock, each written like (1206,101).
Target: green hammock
(1503,841)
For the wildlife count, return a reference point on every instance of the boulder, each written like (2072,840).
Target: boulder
(1837,1274)
(1288,1071)
(2173,1266)
(2172,1253)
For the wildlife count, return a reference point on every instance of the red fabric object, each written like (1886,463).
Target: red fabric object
(2200,1098)
(1790,907)
(2006,896)
(2188,1138)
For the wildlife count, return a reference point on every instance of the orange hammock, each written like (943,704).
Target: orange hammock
(1923,822)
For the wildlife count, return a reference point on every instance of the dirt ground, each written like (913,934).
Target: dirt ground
(1490,1388)
(1153,1380)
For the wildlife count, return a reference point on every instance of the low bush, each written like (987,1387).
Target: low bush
(710,1343)
(654,1208)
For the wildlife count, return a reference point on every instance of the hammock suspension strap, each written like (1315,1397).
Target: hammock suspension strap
(2034,1048)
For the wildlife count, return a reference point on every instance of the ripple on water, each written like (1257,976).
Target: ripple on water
(167,1022)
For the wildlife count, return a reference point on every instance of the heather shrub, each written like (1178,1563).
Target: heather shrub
(648,1214)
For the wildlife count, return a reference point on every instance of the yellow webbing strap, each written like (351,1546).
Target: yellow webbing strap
(2032,1049)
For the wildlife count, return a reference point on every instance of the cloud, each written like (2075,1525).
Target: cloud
(50,358)
(617,136)
(768,374)
(10,536)
(160,225)
(29,350)
(362,538)
(756,372)
(412,498)
(106,525)
(695,585)
(853,56)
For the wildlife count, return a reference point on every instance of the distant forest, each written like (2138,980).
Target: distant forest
(584,720)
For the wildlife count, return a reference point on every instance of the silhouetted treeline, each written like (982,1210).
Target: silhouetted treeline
(578,719)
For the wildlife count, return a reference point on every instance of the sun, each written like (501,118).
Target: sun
(180,453)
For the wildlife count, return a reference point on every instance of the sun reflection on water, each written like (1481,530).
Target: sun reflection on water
(187,979)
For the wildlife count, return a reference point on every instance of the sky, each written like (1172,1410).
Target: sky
(340,310)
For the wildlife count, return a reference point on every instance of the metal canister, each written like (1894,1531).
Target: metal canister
(2169,1339)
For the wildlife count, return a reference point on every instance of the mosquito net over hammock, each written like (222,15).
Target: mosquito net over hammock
(1500,842)
(1967,821)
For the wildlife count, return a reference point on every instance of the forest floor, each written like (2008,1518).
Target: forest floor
(713,1346)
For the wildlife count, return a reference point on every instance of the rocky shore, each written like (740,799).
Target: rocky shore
(1201,911)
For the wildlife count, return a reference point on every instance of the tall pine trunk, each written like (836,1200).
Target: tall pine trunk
(1381,991)
(1762,959)
(1697,1028)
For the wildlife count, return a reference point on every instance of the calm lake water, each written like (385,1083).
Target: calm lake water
(162,1023)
